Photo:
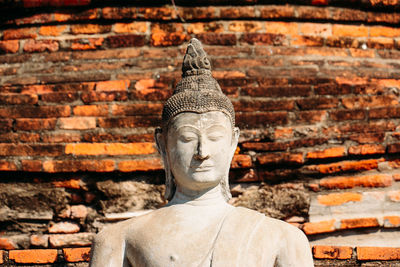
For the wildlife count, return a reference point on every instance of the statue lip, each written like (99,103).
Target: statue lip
(202,168)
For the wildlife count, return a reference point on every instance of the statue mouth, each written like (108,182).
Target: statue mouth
(202,168)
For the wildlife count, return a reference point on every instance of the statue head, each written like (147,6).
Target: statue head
(198,136)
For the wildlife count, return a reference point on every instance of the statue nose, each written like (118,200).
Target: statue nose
(202,151)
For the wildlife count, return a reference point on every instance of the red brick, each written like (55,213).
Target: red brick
(11,46)
(234,13)
(39,240)
(367,149)
(335,199)
(275,11)
(369,101)
(310,116)
(281,158)
(90,28)
(332,252)
(110,149)
(81,165)
(7,166)
(358,223)
(18,99)
(158,13)
(77,123)
(106,54)
(128,40)
(2,256)
(76,254)
(35,124)
(308,12)
(118,85)
(31,165)
(241,161)
(377,180)
(263,39)
(332,152)
(378,253)
(52,30)
(189,13)
(362,165)
(64,228)
(119,12)
(317,103)
(23,33)
(30,150)
(384,113)
(61,137)
(311,228)
(129,122)
(41,46)
(393,148)
(391,221)
(91,110)
(60,97)
(227,39)
(248,120)
(104,96)
(33,256)
(136,109)
(140,165)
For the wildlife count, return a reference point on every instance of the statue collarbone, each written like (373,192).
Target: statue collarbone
(198,227)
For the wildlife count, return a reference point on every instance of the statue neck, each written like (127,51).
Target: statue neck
(209,197)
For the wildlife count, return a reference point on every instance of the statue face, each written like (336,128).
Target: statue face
(200,148)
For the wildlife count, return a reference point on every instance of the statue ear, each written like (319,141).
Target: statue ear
(235,139)
(160,142)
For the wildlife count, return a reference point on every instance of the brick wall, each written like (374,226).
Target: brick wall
(315,86)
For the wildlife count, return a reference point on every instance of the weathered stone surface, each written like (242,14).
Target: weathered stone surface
(67,240)
(125,196)
(30,201)
(280,201)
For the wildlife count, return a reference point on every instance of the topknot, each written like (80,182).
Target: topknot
(198,91)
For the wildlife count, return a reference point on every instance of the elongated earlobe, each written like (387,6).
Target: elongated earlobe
(170,186)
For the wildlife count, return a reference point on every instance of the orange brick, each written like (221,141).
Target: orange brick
(316,29)
(134,27)
(358,223)
(378,253)
(387,82)
(283,133)
(289,28)
(332,252)
(71,183)
(377,180)
(119,85)
(77,123)
(394,195)
(380,31)
(7,166)
(281,158)
(1,256)
(11,46)
(367,149)
(338,198)
(7,243)
(362,165)
(201,27)
(24,33)
(110,149)
(369,101)
(391,221)
(362,53)
(241,161)
(31,165)
(245,26)
(349,30)
(91,110)
(90,28)
(332,152)
(140,165)
(396,176)
(76,254)
(33,255)
(81,165)
(89,44)
(52,30)
(311,228)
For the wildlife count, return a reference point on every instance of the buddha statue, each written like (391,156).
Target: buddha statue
(198,227)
